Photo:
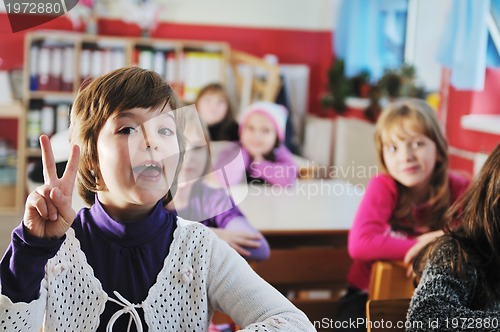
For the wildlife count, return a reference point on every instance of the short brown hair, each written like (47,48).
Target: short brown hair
(97,101)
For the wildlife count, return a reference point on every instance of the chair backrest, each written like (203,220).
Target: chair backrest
(389,281)
(256,80)
(386,315)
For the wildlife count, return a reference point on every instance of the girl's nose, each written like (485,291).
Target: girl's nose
(408,154)
(150,141)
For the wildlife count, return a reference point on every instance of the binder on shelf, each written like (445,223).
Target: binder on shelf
(47,120)
(62,118)
(212,68)
(33,66)
(191,74)
(201,68)
(44,69)
(96,63)
(146,58)
(34,127)
(118,56)
(56,68)
(85,55)
(170,64)
(67,76)
(107,60)
(159,63)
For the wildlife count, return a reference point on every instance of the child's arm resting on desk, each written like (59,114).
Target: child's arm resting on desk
(234,288)
(239,234)
(369,237)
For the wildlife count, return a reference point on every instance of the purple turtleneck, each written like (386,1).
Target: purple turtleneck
(125,257)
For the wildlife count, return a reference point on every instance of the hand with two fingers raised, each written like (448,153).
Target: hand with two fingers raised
(48,212)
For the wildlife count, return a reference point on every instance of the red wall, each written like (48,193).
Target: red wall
(473,102)
(460,103)
(486,101)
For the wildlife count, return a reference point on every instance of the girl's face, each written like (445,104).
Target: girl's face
(258,135)
(212,107)
(196,156)
(410,159)
(138,155)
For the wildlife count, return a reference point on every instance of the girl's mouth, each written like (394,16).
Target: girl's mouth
(151,171)
(411,169)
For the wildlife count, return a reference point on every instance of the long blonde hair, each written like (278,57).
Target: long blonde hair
(418,116)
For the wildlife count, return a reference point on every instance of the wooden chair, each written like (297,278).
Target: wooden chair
(386,315)
(252,87)
(389,281)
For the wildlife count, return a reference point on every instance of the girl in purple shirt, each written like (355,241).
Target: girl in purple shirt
(198,197)
(262,131)
(126,263)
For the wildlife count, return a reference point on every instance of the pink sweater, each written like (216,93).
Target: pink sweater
(371,237)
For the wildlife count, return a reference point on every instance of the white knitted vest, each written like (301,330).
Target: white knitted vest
(199,267)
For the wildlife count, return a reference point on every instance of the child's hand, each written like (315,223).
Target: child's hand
(422,241)
(239,240)
(48,212)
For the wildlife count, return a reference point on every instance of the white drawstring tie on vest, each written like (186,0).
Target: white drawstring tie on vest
(128,308)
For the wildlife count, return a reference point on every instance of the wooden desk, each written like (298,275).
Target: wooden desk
(307,231)
(310,205)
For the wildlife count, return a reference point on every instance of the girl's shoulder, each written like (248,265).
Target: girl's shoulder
(450,256)
(281,149)
(187,229)
(382,182)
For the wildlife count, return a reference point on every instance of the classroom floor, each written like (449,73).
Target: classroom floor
(7,224)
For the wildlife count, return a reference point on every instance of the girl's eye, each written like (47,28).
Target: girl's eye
(266,130)
(391,148)
(166,131)
(127,131)
(416,144)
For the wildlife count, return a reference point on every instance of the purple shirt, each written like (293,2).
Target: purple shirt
(125,257)
(213,207)
(282,171)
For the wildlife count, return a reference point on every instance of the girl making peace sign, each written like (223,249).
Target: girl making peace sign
(125,263)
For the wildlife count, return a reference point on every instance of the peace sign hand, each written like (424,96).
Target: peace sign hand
(48,212)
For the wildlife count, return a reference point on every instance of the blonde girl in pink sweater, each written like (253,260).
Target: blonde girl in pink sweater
(402,208)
